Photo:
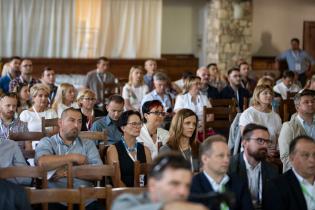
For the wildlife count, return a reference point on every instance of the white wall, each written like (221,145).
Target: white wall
(277,21)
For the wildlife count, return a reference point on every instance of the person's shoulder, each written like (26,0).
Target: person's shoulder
(92,72)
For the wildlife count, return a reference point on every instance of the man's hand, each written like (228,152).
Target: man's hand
(78,159)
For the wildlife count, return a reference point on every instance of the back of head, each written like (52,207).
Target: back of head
(160,76)
(206,145)
(288,74)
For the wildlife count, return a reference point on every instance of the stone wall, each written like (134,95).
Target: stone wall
(229,27)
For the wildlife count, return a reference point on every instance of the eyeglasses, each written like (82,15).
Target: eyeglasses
(136,124)
(262,141)
(90,99)
(158,113)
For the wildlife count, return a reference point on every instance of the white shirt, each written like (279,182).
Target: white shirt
(62,107)
(271,120)
(254,179)
(282,89)
(185,101)
(308,190)
(134,94)
(162,136)
(217,187)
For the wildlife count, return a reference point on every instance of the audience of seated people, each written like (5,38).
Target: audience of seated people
(135,89)
(178,85)
(251,178)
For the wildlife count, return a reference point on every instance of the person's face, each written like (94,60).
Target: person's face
(213,70)
(137,75)
(173,186)
(103,66)
(218,159)
(195,88)
(189,126)
(70,95)
(287,81)
(265,97)
(303,159)
(49,77)
(8,107)
(244,69)
(306,105)
(70,125)
(25,93)
(160,86)
(235,78)
(156,116)
(150,66)
(295,45)
(204,74)
(15,65)
(41,99)
(26,68)
(133,126)
(88,102)
(254,149)
(114,110)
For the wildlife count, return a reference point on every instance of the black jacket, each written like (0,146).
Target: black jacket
(228,92)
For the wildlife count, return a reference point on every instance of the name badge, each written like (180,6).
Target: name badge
(298,66)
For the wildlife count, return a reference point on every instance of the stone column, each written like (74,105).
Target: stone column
(229,27)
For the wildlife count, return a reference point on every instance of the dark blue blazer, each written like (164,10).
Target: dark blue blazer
(201,185)
(285,193)
(228,92)
(212,92)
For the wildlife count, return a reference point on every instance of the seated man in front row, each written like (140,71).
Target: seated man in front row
(56,151)
(168,186)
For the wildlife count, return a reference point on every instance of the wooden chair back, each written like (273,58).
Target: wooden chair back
(115,192)
(225,103)
(46,123)
(86,193)
(245,103)
(94,135)
(140,169)
(25,171)
(286,109)
(290,95)
(94,172)
(110,89)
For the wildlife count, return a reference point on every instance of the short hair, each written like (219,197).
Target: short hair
(124,117)
(37,87)
(206,145)
(242,63)
(297,139)
(250,128)
(116,98)
(148,105)
(189,82)
(211,64)
(305,92)
(105,59)
(264,80)
(85,93)
(15,58)
(168,160)
(64,114)
(288,74)
(233,69)
(9,95)
(160,76)
(186,74)
(295,40)
(47,68)
(258,89)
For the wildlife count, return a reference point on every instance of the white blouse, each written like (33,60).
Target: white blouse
(134,94)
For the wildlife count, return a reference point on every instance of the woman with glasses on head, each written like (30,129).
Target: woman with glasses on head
(86,100)
(151,134)
(182,136)
(135,89)
(128,149)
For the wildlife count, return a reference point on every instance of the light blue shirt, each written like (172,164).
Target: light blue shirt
(105,123)
(166,100)
(297,59)
(309,128)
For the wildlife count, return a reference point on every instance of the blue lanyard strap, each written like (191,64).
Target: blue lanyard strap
(130,149)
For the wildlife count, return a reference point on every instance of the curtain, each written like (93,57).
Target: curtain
(81,28)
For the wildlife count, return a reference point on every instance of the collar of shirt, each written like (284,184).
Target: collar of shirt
(12,122)
(303,122)
(61,142)
(217,187)
(301,179)
(249,167)
(190,98)
(107,120)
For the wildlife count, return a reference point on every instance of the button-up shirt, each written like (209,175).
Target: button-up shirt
(153,95)
(309,128)
(217,187)
(106,123)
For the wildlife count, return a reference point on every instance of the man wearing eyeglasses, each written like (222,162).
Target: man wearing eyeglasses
(168,187)
(251,163)
(295,189)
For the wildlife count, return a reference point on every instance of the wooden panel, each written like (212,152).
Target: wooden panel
(309,37)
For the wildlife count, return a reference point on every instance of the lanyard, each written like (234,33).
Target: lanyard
(36,113)
(188,158)
(5,130)
(131,149)
(296,55)
(259,195)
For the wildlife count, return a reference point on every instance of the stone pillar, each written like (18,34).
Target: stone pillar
(229,27)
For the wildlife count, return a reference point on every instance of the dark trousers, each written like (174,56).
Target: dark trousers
(95,205)
(302,78)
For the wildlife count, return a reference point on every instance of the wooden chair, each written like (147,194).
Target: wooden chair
(115,192)
(220,124)
(26,171)
(225,103)
(245,103)
(94,135)
(42,196)
(286,109)
(290,95)
(140,169)
(93,172)
(50,123)
(110,89)
(103,193)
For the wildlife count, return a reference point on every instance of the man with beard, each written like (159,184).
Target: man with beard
(251,163)
(215,158)
(53,153)
(13,72)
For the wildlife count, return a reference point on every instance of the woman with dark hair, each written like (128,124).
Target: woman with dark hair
(182,136)
(151,134)
(23,94)
(128,150)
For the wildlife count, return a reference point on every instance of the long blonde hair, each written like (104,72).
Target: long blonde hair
(61,93)
(132,70)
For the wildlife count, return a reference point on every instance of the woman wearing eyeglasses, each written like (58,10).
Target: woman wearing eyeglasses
(151,134)
(128,149)
(135,89)
(182,136)
(86,100)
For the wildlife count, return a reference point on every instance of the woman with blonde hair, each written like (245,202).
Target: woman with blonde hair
(86,100)
(261,112)
(135,89)
(65,98)
(182,136)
